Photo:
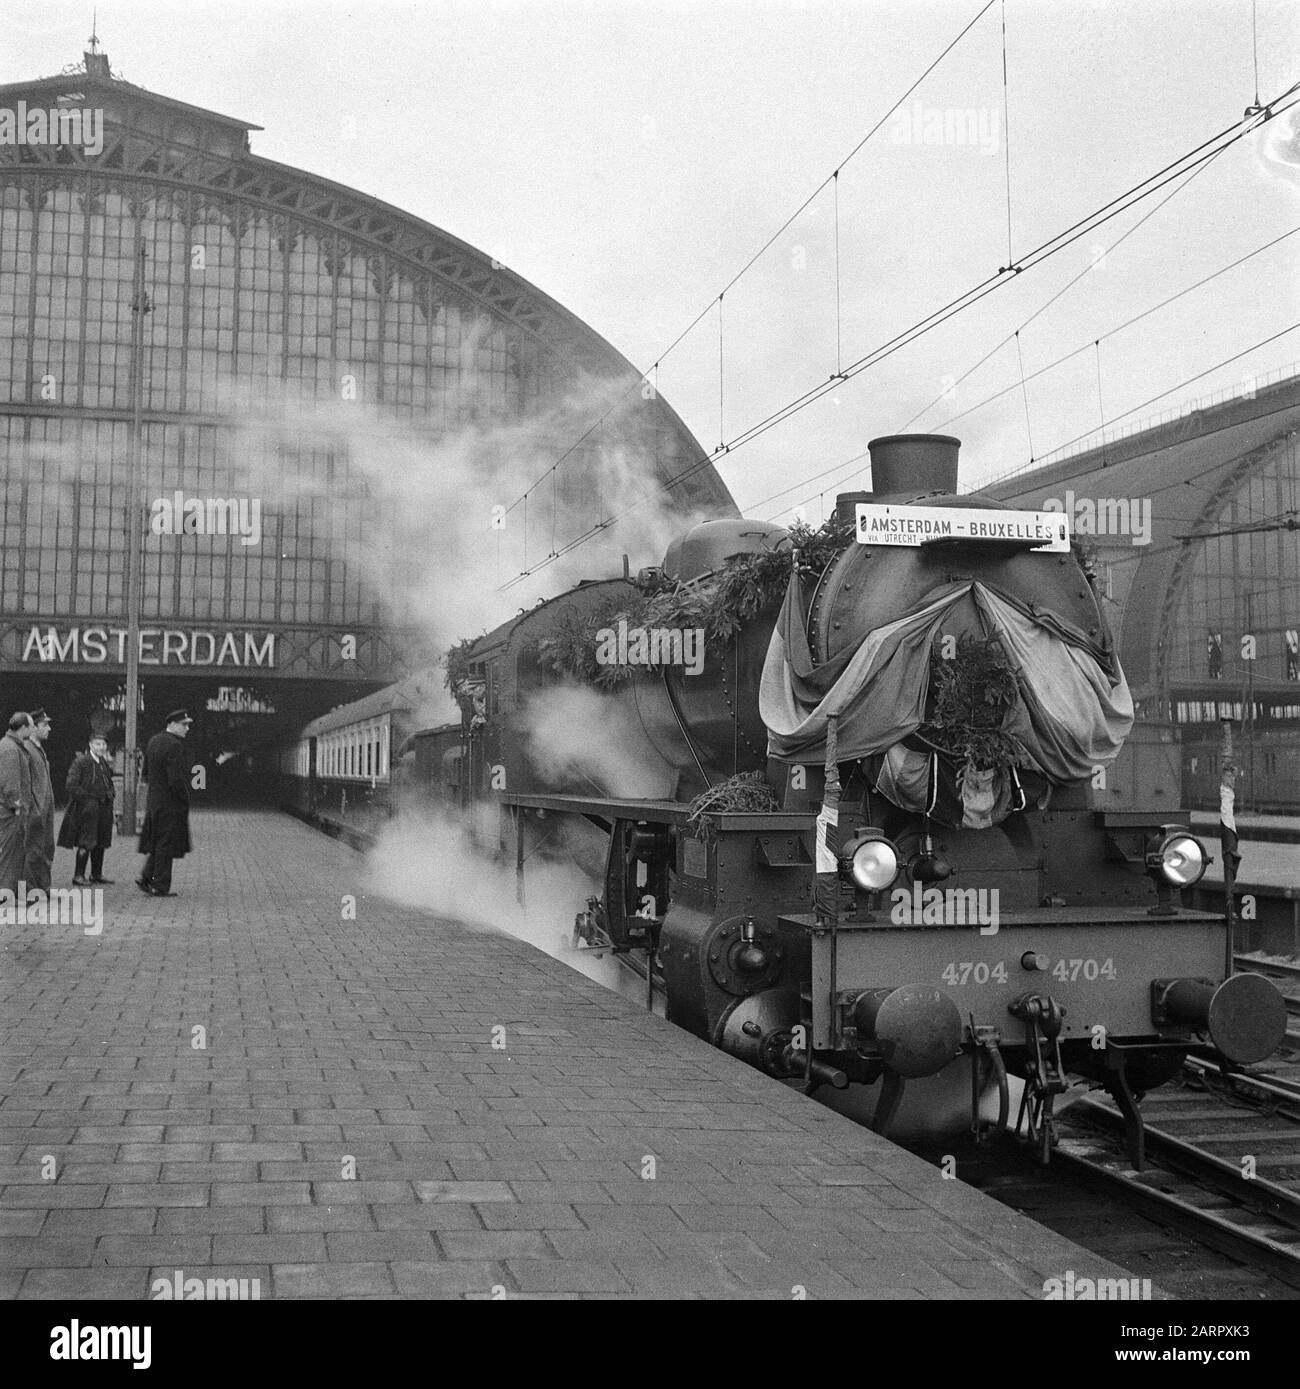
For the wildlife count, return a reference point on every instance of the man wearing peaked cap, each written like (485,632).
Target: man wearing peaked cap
(166,832)
(40,828)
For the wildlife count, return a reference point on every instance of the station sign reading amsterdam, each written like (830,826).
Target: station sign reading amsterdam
(923,525)
(159,646)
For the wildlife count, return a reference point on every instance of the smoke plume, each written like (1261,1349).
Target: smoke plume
(444,529)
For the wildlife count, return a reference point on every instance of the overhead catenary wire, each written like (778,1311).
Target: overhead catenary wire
(1160,395)
(722,432)
(972,296)
(758,255)
(1101,404)
(839,347)
(1070,283)
(1029,431)
(1175,484)
(1119,328)
(1254,47)
(1084,469)
(1006,129)
(1207,149)
(950,420)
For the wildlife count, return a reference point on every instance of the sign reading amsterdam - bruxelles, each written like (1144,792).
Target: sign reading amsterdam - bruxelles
(922,525)
(159,646)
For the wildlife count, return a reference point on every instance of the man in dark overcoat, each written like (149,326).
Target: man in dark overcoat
(88,821)
(166,832)
(16,804)
(40,828)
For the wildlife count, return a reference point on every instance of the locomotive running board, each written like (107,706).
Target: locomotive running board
(606,808)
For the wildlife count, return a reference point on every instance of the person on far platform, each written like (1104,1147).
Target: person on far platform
(1228,831)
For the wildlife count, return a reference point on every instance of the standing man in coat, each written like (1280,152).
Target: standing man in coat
(88,821)
(1228,833)
(40,829)
(16,804)
(166,832)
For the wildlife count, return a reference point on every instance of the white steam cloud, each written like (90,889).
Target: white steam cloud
(428,523)
(594,743)
(449,528)
(435,863)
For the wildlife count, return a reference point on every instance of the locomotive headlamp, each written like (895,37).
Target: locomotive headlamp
(869,860)
(1177,857)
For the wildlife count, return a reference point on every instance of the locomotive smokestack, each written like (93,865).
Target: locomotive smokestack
(914,463)
(906,463)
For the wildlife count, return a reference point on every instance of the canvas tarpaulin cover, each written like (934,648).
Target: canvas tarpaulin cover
(1069,717)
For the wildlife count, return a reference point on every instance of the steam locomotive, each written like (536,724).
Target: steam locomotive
(857,837)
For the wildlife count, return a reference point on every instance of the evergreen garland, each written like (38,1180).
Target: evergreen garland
(719,603)
(746,792)
(456,662)
(971,695)
(571,649)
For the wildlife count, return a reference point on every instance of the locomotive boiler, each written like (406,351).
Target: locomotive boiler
(859,841)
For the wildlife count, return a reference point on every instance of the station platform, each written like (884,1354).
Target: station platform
(1280,829)
(1265,867)
(348,1124)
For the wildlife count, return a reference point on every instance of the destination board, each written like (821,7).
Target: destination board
(923,525)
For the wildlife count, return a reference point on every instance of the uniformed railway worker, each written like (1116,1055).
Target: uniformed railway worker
(166,833)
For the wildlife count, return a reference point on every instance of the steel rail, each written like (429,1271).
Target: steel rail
(1283,969)
(1276,1204)
(1278,1089)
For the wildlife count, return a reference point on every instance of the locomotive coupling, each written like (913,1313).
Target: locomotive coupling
(1244,1016)
(917,1028)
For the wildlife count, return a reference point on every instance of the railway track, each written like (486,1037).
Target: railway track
(1223,1173)
(1287,978)
(1222,1168)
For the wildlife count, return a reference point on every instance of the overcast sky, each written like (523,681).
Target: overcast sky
(630,158)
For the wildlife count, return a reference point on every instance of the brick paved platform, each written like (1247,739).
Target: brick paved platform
(478,1172)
